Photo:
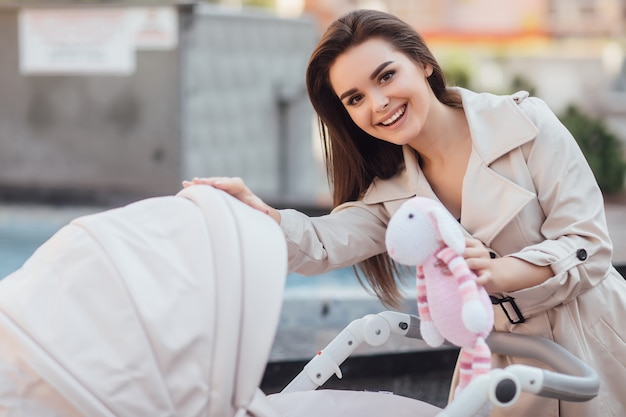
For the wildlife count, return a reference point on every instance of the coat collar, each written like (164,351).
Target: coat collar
(497,126)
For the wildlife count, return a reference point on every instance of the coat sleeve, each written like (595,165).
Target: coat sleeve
(353,232)
(577,245)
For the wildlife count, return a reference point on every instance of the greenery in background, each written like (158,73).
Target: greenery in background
(600,146)
(266,4)
(520,83)
(457,75)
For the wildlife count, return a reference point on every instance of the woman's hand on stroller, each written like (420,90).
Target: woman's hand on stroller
(236,187)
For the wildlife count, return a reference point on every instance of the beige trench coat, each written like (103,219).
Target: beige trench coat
(528,192)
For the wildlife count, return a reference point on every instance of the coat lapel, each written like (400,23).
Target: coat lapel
(497,126)
(490,202)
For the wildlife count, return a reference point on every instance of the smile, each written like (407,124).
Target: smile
(394,117)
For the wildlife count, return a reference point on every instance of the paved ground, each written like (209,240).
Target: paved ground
(423,375)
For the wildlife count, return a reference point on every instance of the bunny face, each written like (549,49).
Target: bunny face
(411,235)
(419,228)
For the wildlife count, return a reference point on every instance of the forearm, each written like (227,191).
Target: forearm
(340,239)
(508,274)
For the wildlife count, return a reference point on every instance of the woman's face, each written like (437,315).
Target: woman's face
(385,92)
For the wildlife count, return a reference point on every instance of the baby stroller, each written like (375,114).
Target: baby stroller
(571,380)
(169,307)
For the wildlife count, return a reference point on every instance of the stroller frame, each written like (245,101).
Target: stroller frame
(571,380)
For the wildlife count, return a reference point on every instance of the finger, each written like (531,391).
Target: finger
(472,252)
(483,278)
(475,254)
(476,250)
(206,181)
(472,242)
(477,264)
(201,181)
(231,185)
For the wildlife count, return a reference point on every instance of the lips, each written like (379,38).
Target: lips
(394,117)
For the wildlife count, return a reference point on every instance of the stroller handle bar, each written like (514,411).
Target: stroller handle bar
(571,380)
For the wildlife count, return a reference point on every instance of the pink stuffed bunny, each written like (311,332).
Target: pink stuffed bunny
(450,304)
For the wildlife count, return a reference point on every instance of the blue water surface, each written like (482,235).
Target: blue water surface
(24,229)
(19,241)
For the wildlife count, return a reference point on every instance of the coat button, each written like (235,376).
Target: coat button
(581,254)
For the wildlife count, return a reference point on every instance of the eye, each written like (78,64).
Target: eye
(410,215)
(354,100)
(386,76)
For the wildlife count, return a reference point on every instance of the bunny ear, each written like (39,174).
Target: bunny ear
(449,230)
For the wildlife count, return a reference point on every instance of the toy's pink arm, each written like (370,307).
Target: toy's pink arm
(422,300)
(464,277)
(429,330)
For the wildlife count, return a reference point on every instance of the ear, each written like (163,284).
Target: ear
(449,230)
(428,70)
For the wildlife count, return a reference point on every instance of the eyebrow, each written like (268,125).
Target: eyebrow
(372,76)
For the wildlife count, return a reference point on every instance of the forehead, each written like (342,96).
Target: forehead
(357,63)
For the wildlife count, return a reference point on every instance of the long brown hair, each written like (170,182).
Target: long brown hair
(354,158)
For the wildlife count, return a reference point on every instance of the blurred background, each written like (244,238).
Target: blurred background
(107,102)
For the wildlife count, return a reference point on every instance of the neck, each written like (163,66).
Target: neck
(447,133)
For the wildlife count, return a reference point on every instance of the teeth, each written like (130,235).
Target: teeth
(394,117)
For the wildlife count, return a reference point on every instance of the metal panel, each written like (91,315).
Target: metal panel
(245,108)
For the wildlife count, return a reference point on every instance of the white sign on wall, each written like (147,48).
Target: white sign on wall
(92,40)
(154,28)
(76,41)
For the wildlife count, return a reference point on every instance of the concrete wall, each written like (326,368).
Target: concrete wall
(89,134)
(229,100)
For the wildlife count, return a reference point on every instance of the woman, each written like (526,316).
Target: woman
(504,166)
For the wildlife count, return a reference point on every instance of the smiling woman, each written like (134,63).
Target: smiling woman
(504,166)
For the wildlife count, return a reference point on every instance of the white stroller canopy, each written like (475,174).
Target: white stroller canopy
(165,307)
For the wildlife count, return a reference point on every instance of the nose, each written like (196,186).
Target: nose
(381,102)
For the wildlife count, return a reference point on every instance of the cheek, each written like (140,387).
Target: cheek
(359,117)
